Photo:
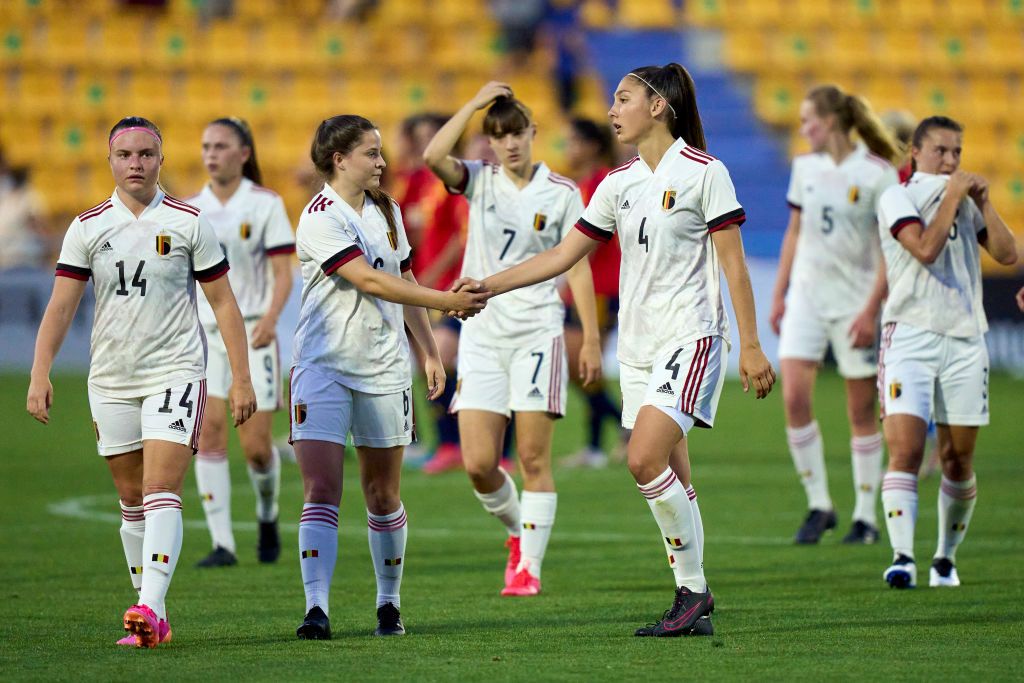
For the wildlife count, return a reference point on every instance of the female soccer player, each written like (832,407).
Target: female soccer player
(143,250)
(676,214)
(933,359)
(253,229)
(829,291)
(350,369)
(512,359)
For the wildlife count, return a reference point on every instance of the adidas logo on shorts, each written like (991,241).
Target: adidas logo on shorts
(665,388)
(177,425)
(491,208)
(535,393)
(625,205)
(106,247)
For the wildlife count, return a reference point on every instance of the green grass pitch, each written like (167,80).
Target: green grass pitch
(784,612)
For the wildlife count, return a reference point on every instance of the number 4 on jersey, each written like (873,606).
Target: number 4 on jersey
(137,281)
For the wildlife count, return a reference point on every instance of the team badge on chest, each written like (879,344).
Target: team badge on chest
(539,221)
(245,230)
(668,199)
(393,239)
(163,244)
(854,194)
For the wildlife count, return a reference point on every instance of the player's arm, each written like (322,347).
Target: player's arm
(785,268)
(398,290)
(754,366)
(423,336)
(241,396)
(997,239)
(925,244)
(266,329)
(438,154)
(60,311)
(541,267)
(581,283)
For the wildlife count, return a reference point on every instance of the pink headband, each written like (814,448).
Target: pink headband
(121,132)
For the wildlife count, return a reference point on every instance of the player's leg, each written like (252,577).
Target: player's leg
(538,502)
(448,455)
(321,414)
(213,476)
(866,454)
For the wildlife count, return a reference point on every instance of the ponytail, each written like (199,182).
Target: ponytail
(251,168)
(674,84)
(386,205)
(852,112)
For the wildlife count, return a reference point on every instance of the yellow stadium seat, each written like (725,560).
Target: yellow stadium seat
(341,45)
(745,50)
(903,50)
(766,14)
(991,100)
(41,91)
(642,14)
(811,13)
(860,13)
(597,14)
(120,35)
(713,13)
(67,42)
(176,45)
(1003,49)
(16,43)
(888,91)
(941,97)
(918,14)
(228,44)
(851,51)
(1009,13)
(795,52)
(395,13)
(777,100)
(968,13)
(954,50)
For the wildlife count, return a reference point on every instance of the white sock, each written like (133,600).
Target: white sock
(674,514)
(956,505)
(697,522)
(866,454)
(267,485)
(388,534)
(503,504)
(160,549)
(538,513)
(133,533)
(808,453)
(213,478)
(318,552)
(899,501)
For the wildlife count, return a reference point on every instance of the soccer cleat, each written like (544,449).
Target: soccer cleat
(862,533)
(389,621)
(316,625)
(141,622)
(682,618)
(218,557)
(446,458)
(513,559)
(943,574)
(816,524)
(163,628)
(902,573)
(269,547)
(523,585)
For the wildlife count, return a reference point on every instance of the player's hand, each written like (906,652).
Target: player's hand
(590,362)
(979,191)
(465,303)
(778,310)
(1020,299)
(756,371)
(863,330)
(242,400)
(490,92)
(960,184)
(40,398)
(263,332)
(436,378)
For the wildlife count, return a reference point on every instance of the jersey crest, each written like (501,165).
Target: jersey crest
(539,221)
(854,194)
(668,200)
(163,244)
(245,230)
(393,238)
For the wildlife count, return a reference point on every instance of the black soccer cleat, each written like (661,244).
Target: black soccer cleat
(902,573)
(218,557)
(389,621)
(816,524)
(269,547)
(861,533)
(316,626)
(681,619)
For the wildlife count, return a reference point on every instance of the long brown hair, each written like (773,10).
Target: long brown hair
(251,168)
(674,83)
(854,112)
(341,134)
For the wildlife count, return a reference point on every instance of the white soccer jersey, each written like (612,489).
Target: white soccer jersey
(251,227)
(508,225)
(353,338)
(944,297)
(837,253)
(668,286)
(145,332)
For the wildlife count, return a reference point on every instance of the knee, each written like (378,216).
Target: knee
(535,463)
(956,465)
(643,469)
(481,471)
(862,414)
(131,499)
(152,488)
(798,405)
(257,453)
(382,497)
(322,492)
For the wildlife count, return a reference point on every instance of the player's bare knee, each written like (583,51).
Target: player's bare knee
(957,465)
(150,488)
(257,453)
(483,472)
(382,498)
(322,492)
(798,407)
(535,463)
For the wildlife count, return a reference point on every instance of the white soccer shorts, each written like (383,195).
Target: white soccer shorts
(264,369)
(325,410)
(926,374)
(806,336)
(685,380)
(532,378)
(122,424)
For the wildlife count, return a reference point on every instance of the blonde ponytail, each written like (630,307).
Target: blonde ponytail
(853,112)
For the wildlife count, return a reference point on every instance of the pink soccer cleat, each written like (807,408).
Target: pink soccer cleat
(513,559)
(446,458)
(524,584)
(163,628)
(141,622)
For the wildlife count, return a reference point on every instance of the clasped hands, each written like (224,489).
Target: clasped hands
(466,298)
